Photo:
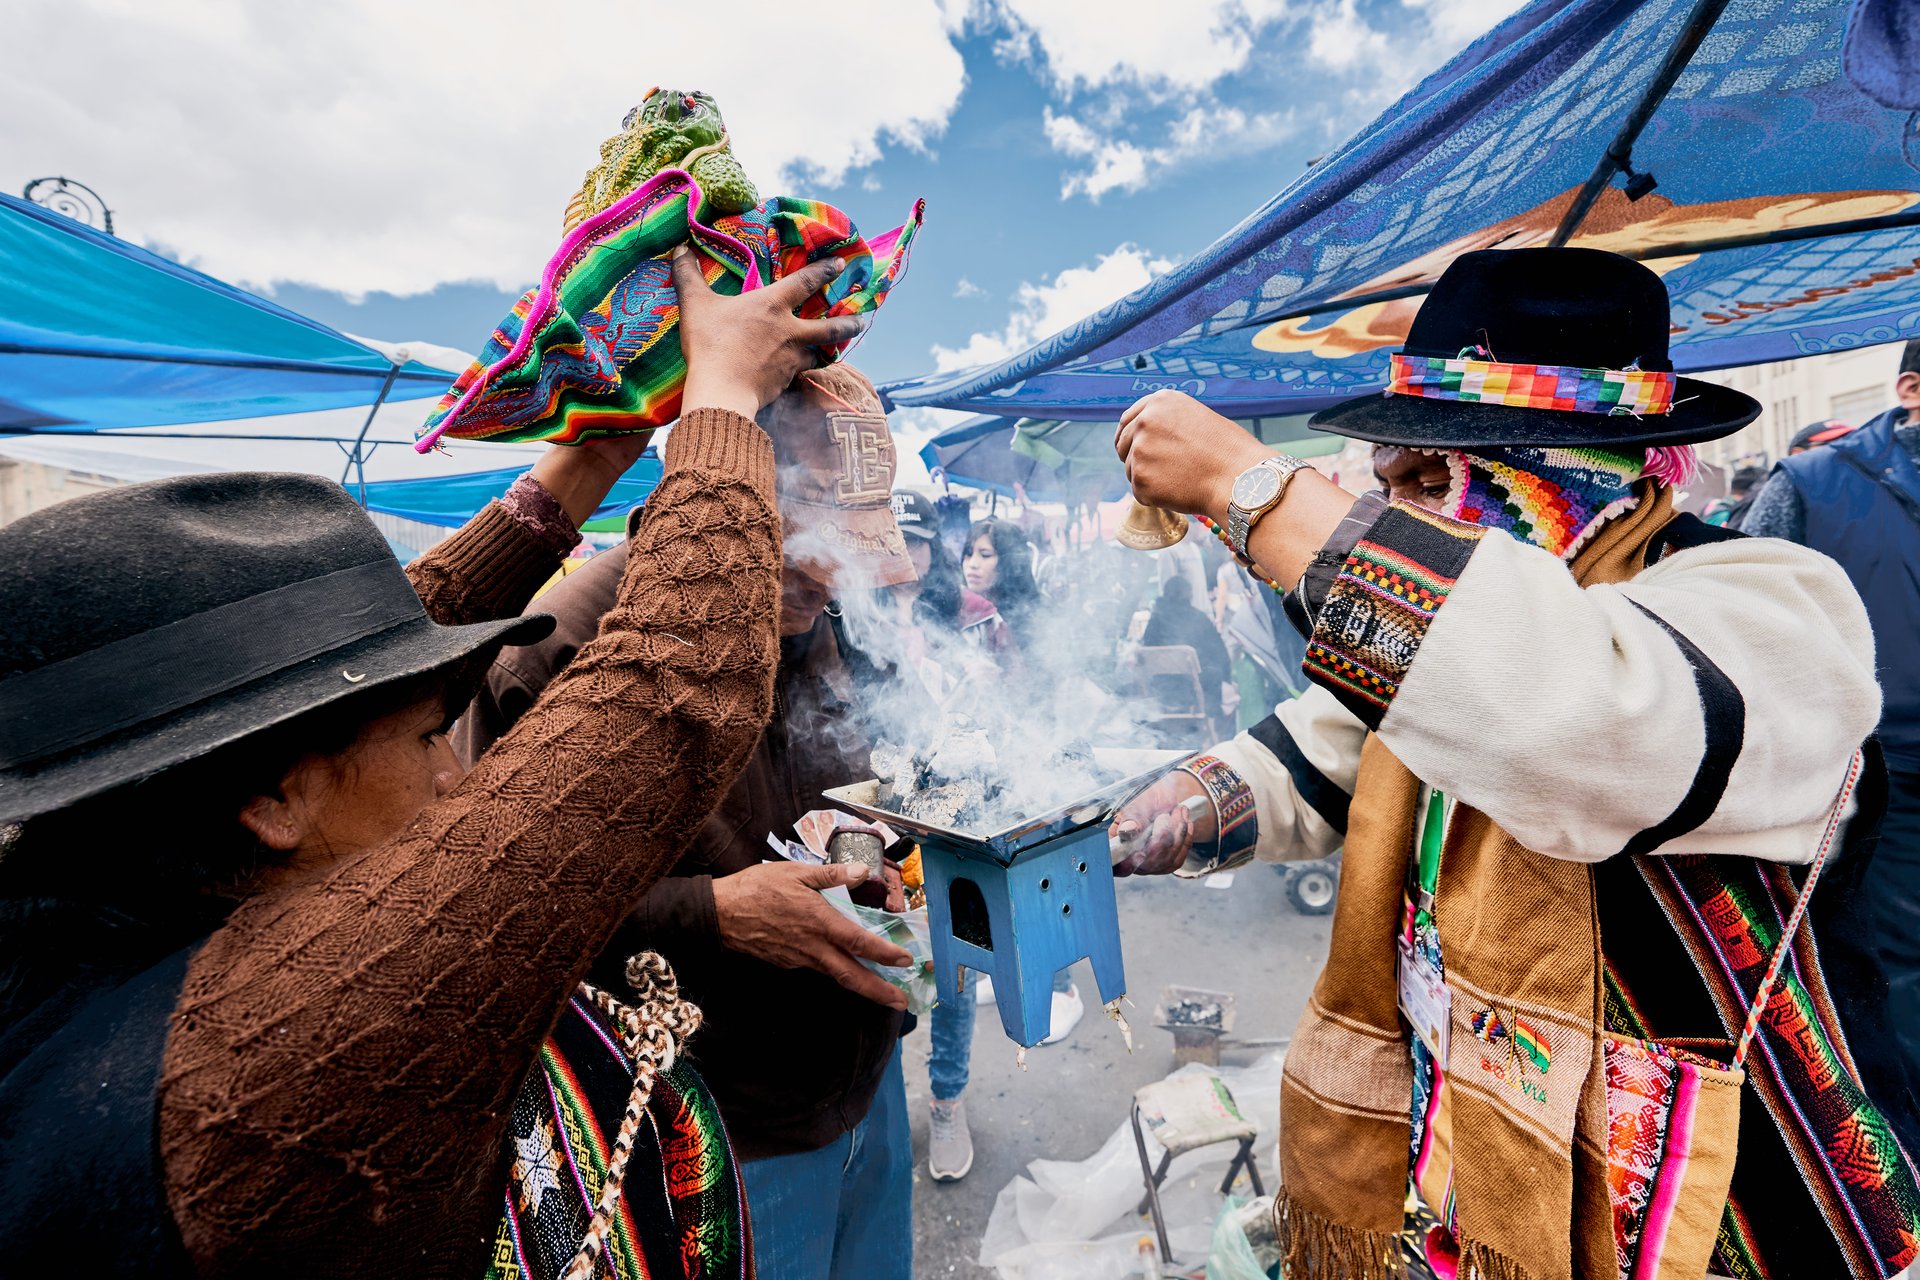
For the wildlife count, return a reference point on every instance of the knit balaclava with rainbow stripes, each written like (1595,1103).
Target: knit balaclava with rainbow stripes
(1552,498)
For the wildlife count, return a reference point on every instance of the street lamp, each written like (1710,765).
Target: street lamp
(75,200)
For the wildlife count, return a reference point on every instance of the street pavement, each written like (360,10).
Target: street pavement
(1244,938)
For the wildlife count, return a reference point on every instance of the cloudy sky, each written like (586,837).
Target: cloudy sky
(399,170)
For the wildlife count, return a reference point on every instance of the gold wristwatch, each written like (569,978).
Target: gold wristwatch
(1257,491)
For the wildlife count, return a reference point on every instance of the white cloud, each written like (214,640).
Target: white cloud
(968,289)
(1380,64)
(1159,45)
(912,428)
(1204,132)
(1339,38)
(1456,23)
(364,146)
(1043,309)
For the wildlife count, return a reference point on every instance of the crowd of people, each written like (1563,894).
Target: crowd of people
(361,921)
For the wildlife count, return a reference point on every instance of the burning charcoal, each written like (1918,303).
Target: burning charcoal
(963,753)
(1195,1013)
(890,761)
(942,806)
(901,772)
(1077,754)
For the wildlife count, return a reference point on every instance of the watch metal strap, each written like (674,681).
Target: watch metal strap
(1240,521)
(1237,529)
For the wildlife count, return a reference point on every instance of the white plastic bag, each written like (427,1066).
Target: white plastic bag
(1076,1220)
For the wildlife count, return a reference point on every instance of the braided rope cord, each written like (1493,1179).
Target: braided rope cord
(652,1030)
(1800,904)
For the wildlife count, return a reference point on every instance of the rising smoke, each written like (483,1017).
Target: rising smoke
(986,746)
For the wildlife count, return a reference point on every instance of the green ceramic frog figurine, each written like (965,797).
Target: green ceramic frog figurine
(668,130)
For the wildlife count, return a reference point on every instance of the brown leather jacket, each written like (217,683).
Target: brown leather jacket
(793,1058)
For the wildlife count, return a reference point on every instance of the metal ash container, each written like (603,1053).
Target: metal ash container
(1021,903)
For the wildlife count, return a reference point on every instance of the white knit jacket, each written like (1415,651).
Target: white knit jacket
(1579,718)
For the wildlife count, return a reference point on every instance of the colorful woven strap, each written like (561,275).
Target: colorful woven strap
(1235,819)
(1532,386)
(1780,948)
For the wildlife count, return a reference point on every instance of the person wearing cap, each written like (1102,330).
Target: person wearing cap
(1856,498)
(1816,434)
(937,595)
(800,1043)
(272,971)
(1531,713)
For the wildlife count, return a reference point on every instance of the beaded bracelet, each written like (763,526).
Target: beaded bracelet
(1221,534)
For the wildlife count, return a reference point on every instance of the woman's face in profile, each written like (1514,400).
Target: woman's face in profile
(982,567)
(331,806)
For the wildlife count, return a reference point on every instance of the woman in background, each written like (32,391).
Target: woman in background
(999,567)
(938,597)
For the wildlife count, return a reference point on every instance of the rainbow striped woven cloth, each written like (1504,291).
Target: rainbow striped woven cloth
(594,350)
(1531,386)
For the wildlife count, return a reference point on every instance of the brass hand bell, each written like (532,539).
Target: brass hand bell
(1150,528)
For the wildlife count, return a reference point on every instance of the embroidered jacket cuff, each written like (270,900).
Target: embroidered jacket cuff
(1377,610)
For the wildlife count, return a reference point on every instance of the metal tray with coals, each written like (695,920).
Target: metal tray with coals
(1006,845)
(1027,901)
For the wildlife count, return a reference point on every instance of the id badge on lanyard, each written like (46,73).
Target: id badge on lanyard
(1425,1001)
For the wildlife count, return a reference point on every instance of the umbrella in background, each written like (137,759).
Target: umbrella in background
(1746,151)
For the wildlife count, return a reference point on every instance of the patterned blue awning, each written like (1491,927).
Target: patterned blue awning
(1785,219)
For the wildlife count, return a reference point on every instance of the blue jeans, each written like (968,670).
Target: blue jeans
(951,1030)
(860,1185)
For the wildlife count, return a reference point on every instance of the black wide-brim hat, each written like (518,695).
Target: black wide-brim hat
(147,626)
(1580,307)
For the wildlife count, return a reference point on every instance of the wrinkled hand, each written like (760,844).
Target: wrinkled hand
(774,912)
(743,351)
(1183,456)
(896,887)
(1169,833)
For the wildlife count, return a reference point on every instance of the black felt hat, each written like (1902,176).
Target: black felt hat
(148,625)
(1580,307)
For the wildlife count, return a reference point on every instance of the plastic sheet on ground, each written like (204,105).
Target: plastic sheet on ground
(1075,1219)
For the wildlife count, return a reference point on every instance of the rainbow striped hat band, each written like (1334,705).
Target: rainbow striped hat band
(1633,392)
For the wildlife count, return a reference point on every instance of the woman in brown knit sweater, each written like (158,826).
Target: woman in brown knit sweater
(270,971)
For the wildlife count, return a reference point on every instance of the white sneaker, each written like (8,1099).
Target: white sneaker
(982,989)
(1067,1012)
(949,1142)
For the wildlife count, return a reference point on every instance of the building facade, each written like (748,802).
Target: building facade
(1851,386)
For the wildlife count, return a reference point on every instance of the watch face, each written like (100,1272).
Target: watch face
(1255,487)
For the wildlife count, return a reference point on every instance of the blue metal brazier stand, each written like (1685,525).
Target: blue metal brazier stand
(1021,904)
(1023,923)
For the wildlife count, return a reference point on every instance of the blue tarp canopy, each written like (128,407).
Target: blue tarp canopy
(117,362)
(450,501)
(1784,217)
(96,334)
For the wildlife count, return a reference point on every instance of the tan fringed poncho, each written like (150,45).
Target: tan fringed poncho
(1518,930)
